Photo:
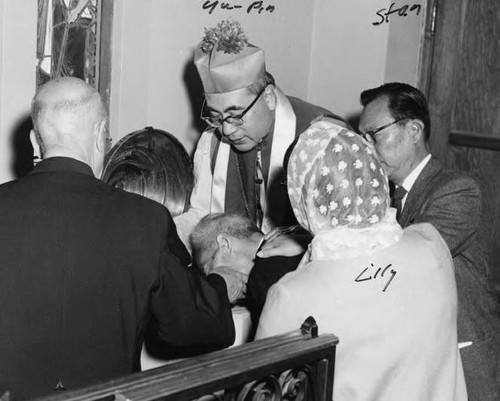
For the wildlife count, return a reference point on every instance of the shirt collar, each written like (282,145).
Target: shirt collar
(62,164)
(412,177)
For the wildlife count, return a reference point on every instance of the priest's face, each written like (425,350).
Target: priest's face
(242,117)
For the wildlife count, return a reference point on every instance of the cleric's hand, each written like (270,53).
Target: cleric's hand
(282,245)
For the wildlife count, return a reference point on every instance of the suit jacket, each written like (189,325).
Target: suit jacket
(83,268)
(265,273)
(451,201)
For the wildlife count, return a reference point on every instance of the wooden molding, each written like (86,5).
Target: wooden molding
(271,362)
(474,140)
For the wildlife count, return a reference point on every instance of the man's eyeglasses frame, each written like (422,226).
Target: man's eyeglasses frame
(370,135)
(233,120)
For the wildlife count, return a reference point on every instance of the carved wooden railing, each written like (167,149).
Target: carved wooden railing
(295,366)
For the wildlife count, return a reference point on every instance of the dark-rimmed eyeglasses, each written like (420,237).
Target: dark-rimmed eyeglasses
(370,135)
(237,120)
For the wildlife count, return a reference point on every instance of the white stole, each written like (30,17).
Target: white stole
(283,136)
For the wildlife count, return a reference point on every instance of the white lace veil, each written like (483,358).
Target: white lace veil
(340,193)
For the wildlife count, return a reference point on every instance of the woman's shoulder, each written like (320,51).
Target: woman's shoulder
(425,239)
(425,231)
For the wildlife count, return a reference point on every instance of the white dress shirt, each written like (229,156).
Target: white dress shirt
(412,177)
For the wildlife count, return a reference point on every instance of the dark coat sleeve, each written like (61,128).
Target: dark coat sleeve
(191,313)
(454,208)
(265,273)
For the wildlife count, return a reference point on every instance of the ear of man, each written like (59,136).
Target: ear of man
(37,146)
(223,242)
(416,128)
(270,97)
(100,136)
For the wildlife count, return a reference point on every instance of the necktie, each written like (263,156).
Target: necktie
(397,198)
(260,188)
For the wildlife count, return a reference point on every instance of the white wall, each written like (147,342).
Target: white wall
(17,74)
(350,54)
(404,44)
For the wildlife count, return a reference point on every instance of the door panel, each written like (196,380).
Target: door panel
(461,75)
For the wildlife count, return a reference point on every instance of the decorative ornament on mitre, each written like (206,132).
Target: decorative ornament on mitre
(226,61)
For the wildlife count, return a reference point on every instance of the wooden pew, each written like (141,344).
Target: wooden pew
(297,365)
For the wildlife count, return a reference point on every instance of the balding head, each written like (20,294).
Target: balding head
(69,120)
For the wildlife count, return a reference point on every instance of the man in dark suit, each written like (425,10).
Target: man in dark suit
(85,266)
(395,119)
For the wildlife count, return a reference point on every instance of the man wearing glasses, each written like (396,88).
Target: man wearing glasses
(395,119)
(238,163)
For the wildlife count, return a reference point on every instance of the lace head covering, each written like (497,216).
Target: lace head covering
(334,179)
(336,183)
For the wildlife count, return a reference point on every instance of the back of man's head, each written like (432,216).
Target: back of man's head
(204,236)
(404,101)
(69,120)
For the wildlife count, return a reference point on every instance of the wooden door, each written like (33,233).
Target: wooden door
(460,74)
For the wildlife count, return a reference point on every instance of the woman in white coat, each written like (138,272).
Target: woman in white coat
(389,294)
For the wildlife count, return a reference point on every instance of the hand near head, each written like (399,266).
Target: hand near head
(283,245)
(234,268)
(226,244)
(236,282)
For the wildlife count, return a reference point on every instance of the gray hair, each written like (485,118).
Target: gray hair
(204,236)
(84,105)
